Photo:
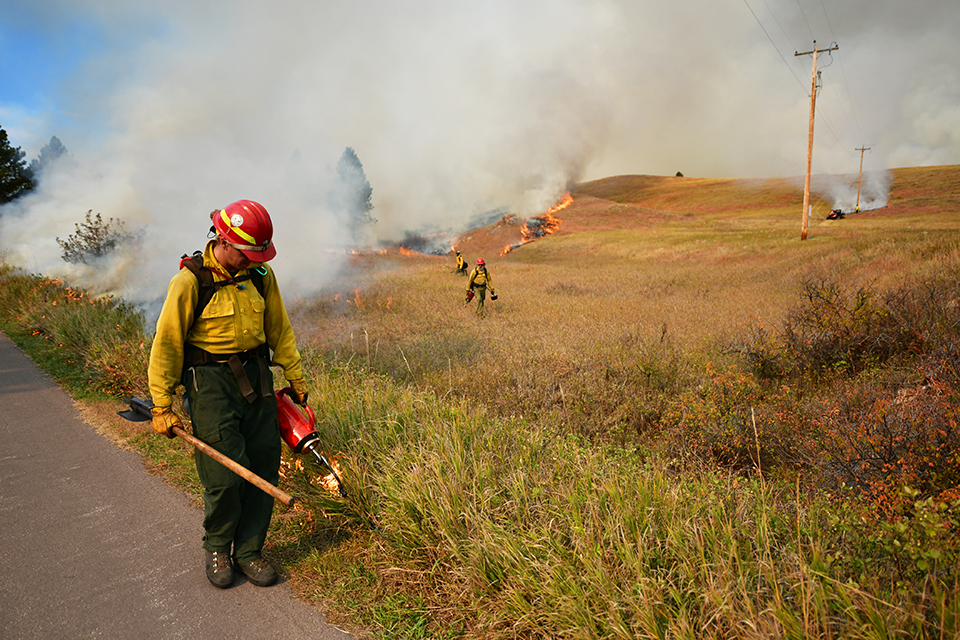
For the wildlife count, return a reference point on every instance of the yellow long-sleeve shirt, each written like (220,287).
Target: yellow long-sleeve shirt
(480,277)
(235,320)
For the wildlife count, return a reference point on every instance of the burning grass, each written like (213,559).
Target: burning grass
(627,445)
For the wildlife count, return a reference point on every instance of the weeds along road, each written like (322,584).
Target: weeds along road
(95,547)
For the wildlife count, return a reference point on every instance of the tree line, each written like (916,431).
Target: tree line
(17,178)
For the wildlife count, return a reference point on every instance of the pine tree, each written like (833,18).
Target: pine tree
(48,154)
(93,239)
(16,178)
(354,192)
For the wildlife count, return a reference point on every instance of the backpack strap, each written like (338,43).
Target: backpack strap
(194,356)
(207,285)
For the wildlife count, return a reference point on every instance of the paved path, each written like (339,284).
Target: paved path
(92,546)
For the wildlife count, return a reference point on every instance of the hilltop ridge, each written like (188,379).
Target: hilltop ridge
(644,201)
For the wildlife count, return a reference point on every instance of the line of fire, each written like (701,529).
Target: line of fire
(532,228)
(539,226)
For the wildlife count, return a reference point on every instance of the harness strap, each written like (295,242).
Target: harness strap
(194,356)
(242,380)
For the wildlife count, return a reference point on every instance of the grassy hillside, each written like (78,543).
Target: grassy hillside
(642,271)
(678,420)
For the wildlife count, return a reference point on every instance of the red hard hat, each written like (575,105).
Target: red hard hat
(480,261)
(247,226)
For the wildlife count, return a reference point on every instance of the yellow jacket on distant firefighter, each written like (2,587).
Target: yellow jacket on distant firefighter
(235,320)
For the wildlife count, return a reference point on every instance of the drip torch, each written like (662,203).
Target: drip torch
(300,433)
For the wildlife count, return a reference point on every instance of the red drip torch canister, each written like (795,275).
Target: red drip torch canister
(299,430)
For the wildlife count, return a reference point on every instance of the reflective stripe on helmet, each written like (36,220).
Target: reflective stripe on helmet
(240,232)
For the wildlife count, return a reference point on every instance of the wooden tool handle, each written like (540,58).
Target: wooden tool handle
(237,468)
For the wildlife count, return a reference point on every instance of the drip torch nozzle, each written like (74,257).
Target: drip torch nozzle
(322,459)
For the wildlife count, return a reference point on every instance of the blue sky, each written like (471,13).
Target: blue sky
(454,108)
(48,51)
(36,58)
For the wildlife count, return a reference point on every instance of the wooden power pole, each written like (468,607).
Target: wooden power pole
(813,109)
(860,179)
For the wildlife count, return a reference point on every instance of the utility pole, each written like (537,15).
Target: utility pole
(813,109)
(860,180)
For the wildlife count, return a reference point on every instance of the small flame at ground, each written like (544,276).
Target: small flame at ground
(329,482)
(540,226)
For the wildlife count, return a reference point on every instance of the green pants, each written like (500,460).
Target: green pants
(481,293)
(235,512)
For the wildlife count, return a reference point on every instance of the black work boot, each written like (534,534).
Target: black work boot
(259,572)
(219,569)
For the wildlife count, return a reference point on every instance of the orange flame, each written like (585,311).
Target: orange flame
(329,482)
(540,226)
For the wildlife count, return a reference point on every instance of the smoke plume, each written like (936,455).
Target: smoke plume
(455,110)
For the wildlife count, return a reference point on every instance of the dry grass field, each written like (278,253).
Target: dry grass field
(645,280)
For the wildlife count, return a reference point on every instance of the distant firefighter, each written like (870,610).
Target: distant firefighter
(461,265)
(479,283)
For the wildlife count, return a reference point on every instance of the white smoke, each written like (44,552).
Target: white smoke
(456,110)
(851,192)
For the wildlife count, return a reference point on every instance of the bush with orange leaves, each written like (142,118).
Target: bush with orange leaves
(731,420)
(876,441)
(858,385)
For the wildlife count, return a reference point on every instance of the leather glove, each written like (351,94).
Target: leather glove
(164,420)
(299,388)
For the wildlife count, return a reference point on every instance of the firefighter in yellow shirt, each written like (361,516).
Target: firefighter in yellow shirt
(461,265)
(478,283)
(222,318)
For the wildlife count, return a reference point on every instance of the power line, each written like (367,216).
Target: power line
(830,26)
(829,51)
(805,19)
(826,120)
(774,16)
(800,82)
(853,104)
(793,73)
(843,73)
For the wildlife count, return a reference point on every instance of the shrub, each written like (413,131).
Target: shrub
(875,442)
(718,422)
(908,541)
(93,239)
(847,332)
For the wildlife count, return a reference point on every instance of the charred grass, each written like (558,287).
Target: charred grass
(694,426)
